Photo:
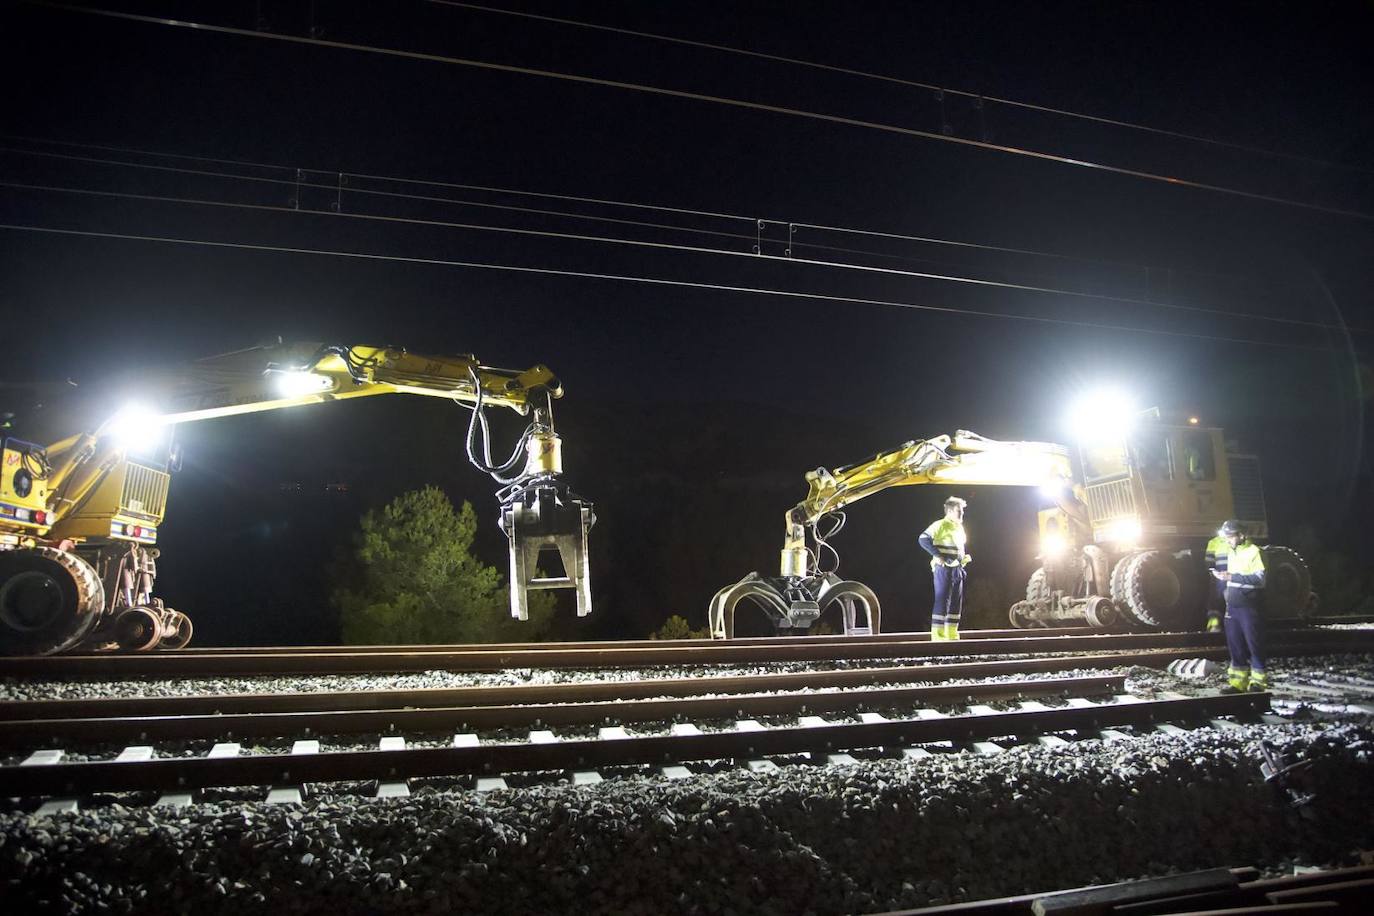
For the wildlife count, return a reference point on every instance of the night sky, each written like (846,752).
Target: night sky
(692,413)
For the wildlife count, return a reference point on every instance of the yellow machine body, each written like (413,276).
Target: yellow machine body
(79,515)
(127,505)
(23,493)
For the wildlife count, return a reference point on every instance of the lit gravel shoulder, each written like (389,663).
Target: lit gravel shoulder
(879,835)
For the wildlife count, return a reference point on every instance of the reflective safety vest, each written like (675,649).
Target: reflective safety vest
(949,540)
(1246,566)
(1217,550)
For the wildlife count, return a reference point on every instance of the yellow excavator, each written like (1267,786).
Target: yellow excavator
(84,492)
(1121,546)
(807,584)
(1130,539)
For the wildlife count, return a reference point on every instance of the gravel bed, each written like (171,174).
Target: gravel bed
(882,834)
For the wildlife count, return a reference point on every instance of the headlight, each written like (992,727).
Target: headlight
(1102,416)
(1124,531)
(298,383)
(1054,489)
(1053,545)
(135,428)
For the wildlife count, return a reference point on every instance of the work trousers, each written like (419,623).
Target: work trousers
(1245,637)
(949,596)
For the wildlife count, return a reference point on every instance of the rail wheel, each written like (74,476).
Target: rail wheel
(181,628)
(1287,584)
(1153,589)
(137,629)
(1018,616)
(49,600)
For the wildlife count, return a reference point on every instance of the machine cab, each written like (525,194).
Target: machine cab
(1164,482)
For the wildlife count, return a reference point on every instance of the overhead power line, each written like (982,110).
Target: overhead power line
(658,281)
(914,84)
(698,97)
(433,183)
(664,246)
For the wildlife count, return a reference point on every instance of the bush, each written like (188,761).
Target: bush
(411,578)
(677,627)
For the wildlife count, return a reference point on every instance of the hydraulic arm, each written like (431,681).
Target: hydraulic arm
(795,598)
(79,516)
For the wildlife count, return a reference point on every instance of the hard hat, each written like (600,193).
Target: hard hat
(1232,528)
(955,502)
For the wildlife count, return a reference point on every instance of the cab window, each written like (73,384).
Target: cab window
(1199,461)
(1101,461)
(1152,457)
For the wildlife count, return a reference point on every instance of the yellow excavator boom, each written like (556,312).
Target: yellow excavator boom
(89,486)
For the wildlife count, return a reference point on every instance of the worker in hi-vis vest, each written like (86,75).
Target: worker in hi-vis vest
(1244,578)
(946,541)
(1217,549)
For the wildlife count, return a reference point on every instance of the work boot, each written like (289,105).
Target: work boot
(1213,624)
(937,633)
(1259,682)
(1237,680)
(952,631)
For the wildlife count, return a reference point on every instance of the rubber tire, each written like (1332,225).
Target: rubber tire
(81,601)
(1117,587)
(1157,592)
(1037,589)
(1287,584)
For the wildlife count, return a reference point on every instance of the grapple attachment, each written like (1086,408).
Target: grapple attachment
(543,514)
(794,603)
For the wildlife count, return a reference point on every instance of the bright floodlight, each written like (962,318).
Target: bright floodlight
(1054,489)
(135,428)
(1053,545)
(297,383)
(1102,415)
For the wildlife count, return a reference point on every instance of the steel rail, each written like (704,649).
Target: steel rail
(577,692)
(438,719)
(1006,633)
(68,779)
(478,660)
(1219,891)
(993,633)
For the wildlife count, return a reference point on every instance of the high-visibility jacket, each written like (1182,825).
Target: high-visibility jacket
(945,541)
(1245,563)
(1217,550)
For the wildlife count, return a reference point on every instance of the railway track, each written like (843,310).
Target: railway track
(577,692)
(1220,891)
(749,742)
(899,710)
(637,655)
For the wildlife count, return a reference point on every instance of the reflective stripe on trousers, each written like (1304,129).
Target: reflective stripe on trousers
(949,596)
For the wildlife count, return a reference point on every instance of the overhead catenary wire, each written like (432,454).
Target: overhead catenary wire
(684,94)
(424,182)
(329,171)
(668,246)
(658,281)
(914,84)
